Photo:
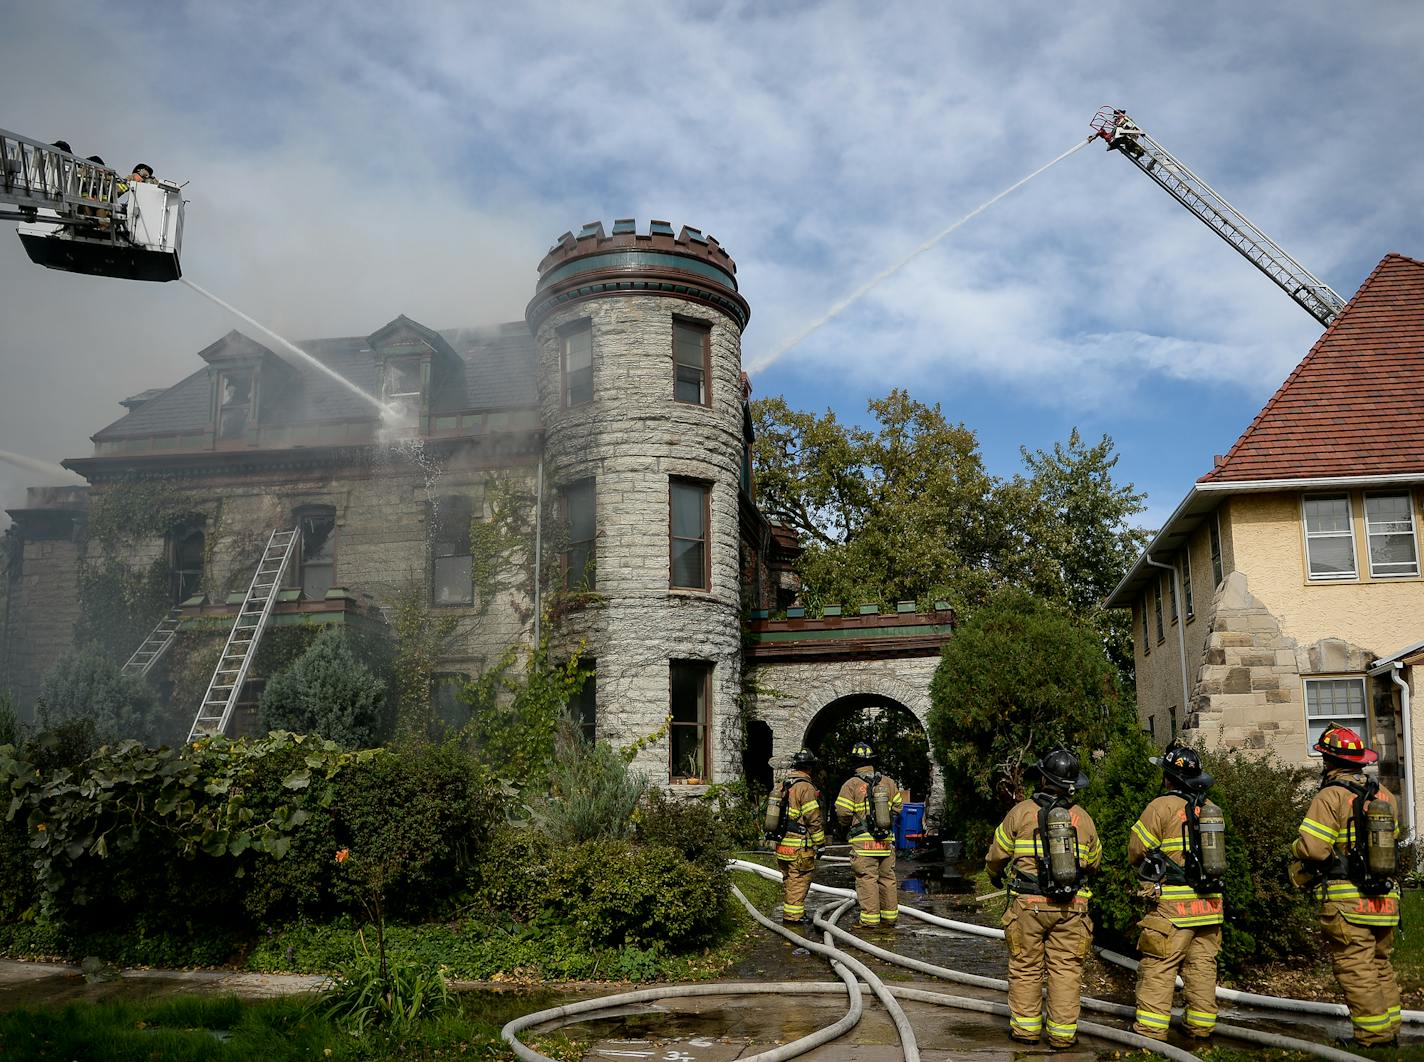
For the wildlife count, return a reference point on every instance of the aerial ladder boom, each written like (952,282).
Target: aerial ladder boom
(81,217)
(1124,135)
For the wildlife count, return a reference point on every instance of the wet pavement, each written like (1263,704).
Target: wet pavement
(24,984)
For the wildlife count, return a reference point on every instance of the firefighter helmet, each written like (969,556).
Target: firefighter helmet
(1183,766)
(1342,744)
(1059,770)
(803,758)
(861,753)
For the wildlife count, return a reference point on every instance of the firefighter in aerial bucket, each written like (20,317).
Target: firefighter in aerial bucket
(1347,856)
(1178,847)
(793,824)
(866,807)
(1051,846)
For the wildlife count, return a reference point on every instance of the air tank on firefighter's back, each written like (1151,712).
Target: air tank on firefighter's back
(1381,857)
(1062,841)
(1211,828)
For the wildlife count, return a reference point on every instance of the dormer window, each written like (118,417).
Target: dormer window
(235,392)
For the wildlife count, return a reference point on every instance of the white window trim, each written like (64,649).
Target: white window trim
(1364,720)
(1413,534)
(1344,577)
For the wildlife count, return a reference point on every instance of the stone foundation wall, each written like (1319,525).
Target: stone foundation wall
(40,611)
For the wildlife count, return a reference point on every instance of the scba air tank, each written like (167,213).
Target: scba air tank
(1062,842)
(880,808)
(774,803)
(1381,858)
(1211,831)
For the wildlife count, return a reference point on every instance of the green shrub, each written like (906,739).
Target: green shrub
(514,873)
(85,684)
(591,794)
(328,692)
(692,827)
(617,894)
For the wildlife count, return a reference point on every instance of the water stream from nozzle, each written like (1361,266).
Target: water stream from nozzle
(43,468)
(386,412)
(860,292)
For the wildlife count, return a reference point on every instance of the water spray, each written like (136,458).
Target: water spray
(42,468)
(388,413)
(860,292)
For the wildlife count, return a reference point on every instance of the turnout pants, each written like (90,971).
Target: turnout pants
(876,889)
(1360,955)
(1046,940)
(1167,950)
(796,877)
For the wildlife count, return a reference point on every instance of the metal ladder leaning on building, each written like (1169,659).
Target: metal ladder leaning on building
(247,627)
(155,645)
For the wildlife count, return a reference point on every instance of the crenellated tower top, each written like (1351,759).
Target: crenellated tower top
(594,264)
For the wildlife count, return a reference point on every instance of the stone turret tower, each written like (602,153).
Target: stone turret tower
(639,340)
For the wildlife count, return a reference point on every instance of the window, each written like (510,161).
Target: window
(1335,700)
(1214,528)
(186,548)
(1172,594)
(401,379)
(1172,715)
(1329,537)
(317,563)
(234,404)
(688,504)
(1146,634)
(1152,727)
(452,711)
(691,354)
(690,730)
(576,357)
(452,574)
(1187,583)
(1389,526)
(580,560)
(583,705)
(1157,607)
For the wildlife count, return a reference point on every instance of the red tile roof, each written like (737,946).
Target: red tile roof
(1355,405)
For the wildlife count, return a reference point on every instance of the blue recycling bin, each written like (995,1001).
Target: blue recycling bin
(910,828)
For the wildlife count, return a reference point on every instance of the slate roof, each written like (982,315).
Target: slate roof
(499,373)
(1355,405)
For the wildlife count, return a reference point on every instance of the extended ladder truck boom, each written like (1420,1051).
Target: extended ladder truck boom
(1124,135)
(79,216)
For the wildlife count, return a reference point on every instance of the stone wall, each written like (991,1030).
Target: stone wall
(41,608)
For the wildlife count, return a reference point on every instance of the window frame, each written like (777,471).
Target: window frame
(704,332)
(248,407)
(1307,681)
(1171,578)
(439,539)
(1353,574)
(706,539)
(1187,607)
(704,724)
(1146,629)
(582,327)
(1157,609)
(397,364)
(299,576)
(180,535)
(588,576)
(1218,567)
(1370,535)
(583,705)
(445,679)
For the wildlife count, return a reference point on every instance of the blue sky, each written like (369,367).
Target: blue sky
(350,162)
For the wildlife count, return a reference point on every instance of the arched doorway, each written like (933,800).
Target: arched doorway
(901,745)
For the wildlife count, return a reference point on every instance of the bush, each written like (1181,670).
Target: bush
(86,684)
(330,693)
(592,793)
(691,827)
(618,894)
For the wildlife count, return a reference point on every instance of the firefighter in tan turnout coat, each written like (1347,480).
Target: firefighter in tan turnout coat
(1050,845)
(867,806)
(1347,855)
(1178,848)
(798,834)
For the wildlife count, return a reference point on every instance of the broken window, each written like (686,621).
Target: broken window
(690,355)
(452,578)
(580,559)
(317,563)
(577,364)
(185,565)
(583,705)
(401,379)
(234,403)
(690,729)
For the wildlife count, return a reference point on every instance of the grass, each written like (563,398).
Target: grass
(229,1030)
(1409,942)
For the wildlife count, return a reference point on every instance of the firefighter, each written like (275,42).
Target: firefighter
(867,806)
(1177,846)
(1346,852)
(800,836)
(1051,845)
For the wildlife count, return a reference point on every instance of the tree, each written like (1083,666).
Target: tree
(85,684)
(905,512)
(1018,678)
(329,692)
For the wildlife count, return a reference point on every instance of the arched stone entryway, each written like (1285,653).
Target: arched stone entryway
(899,740)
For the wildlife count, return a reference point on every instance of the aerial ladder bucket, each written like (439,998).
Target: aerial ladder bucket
(80,217)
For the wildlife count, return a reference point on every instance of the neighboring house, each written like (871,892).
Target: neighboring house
(1285,591)
(619,403)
